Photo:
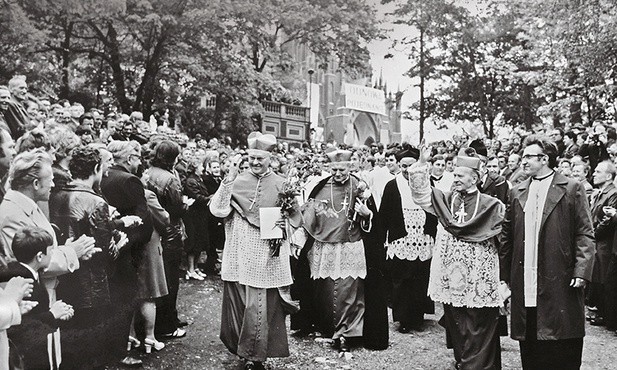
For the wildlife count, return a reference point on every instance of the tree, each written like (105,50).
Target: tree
(436,21)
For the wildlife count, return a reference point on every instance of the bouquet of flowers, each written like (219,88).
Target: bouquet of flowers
(287,200)
(361,194)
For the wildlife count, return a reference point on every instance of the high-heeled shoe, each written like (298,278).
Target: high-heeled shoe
(132,343)
(194,276)
(153,344)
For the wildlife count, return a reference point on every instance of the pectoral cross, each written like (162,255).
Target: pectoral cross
(461,213)
(345,203)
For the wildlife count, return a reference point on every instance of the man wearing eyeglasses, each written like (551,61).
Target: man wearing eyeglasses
(546,257)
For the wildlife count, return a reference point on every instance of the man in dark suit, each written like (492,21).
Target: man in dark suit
(603,227)
(125,191)
(16,116)
(546,257)
(39,329)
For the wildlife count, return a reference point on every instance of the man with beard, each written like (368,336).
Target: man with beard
(409,234)
(255,273)
(465,247)
(341,281)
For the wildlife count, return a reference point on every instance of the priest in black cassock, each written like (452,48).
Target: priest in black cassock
(464,273)
(340,277)
(409,234)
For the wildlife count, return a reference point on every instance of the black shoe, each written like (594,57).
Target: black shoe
(597,321)
(130,361)
(182,324)
(403,329)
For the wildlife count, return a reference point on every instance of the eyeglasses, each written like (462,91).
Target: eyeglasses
(529,156)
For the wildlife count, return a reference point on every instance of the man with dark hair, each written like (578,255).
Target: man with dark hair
(546,257)
(409,234)
(569,140)
(556,135)
(38,337)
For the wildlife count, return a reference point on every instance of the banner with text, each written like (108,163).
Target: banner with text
(364,99)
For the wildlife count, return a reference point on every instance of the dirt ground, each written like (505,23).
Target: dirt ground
(200,304)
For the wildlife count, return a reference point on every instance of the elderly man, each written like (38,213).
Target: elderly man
(464,272)
(5,98)
(16,115)
(604,231)
(7,152)
(345,291)
(31,180)
(409,234)
(125,191)
(253,272)
(546,258)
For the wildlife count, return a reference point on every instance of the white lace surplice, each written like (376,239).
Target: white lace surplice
(416,245)
(464,274)
(337,260)
(246,257)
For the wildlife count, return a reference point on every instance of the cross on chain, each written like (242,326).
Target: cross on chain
(461,213)
(345,203)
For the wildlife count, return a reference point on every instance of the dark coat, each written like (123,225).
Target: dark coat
(496,186)
(196,219)
(30,337)
(216,228)
(375,331)
(77,210)
(391,215)
(125,191)
(565,251)
(603,228)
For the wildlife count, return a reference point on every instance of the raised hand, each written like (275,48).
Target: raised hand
(233,170)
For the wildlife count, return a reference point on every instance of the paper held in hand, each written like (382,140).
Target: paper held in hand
(267,223)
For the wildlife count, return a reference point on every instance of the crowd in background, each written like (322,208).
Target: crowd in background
(103,213)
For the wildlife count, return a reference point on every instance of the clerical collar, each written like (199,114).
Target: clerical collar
(269,171)
(542,178)
(471,190)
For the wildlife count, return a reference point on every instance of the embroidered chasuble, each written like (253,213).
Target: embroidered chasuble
(465,264)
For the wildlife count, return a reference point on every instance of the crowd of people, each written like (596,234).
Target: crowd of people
(103,213)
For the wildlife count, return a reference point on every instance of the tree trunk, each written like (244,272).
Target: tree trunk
(144,97)
(65,89)
(115,60)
